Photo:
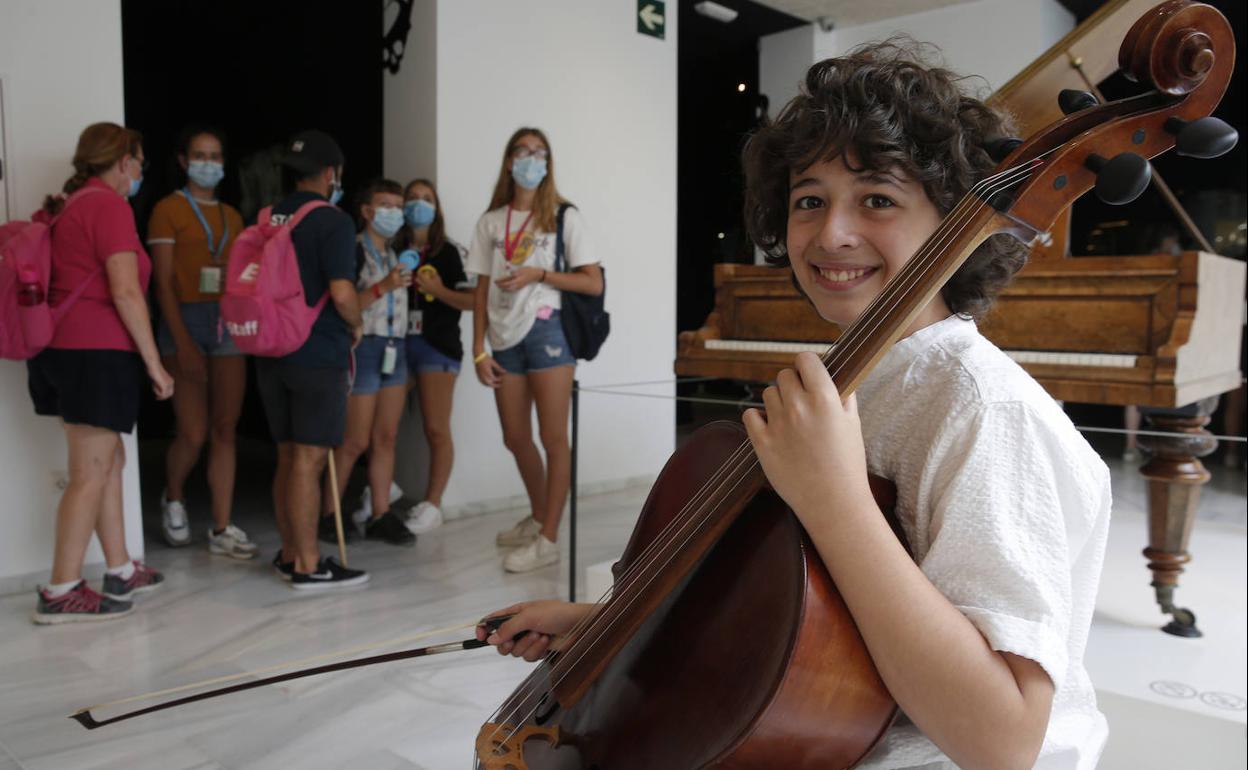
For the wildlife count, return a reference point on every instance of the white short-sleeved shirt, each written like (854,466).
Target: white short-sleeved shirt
(387,316)
(512,312)
(1006,508)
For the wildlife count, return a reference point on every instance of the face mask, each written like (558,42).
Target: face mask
(529,172)
(135,184)
(387,221)
(419,213)
(335,192)
(205,173)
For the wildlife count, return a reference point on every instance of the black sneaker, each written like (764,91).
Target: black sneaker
(389,528)
(284,569)
(328,576)
(327,531)
(80,604)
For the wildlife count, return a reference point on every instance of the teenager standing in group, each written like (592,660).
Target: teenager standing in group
(305,393)
(379,390)
(92,372)
(517,304)
(434,349)
(190,234)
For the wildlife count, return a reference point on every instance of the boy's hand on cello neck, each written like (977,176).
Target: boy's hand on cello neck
(810,443)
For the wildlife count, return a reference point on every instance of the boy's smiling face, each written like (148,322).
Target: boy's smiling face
(850,232)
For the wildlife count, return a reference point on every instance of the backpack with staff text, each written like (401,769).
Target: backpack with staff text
(27,321)
(263,307)
(585,320)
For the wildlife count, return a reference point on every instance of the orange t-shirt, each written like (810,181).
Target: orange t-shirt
(173,221)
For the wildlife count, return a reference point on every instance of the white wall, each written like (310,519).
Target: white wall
(606,97)
(994,39)
(50,97)
(783,59)
(409,98)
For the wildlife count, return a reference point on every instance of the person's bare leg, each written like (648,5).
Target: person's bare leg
(360,411)
(515,407)
(303,503)
(385,433)
(552,393)
(92,452)
(110,526)
(190,412)
(1131,421)
(228,378)
(437,391)
(281,497)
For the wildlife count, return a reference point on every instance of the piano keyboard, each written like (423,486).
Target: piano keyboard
(1112,360)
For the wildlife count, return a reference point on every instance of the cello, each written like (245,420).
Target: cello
(663,675)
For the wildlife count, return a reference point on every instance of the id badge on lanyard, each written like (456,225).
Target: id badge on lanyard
(389,358)
(210,276)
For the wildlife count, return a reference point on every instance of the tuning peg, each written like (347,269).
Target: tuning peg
(1071,100)
(1203,138)
(1000,148)
(1121,179)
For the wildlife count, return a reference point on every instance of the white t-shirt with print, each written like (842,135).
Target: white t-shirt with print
(512,313)
(377,316)
(1006,508)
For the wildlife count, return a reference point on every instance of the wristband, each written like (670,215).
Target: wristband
(377,291)
(478,358)
(543,280)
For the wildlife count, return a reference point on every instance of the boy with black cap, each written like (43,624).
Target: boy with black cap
(305,393)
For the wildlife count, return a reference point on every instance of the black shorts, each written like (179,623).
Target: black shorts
(100,388)
(305,405)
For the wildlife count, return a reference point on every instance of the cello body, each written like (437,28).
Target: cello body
(754,662)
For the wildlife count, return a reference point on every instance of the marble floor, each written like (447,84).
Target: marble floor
(218,617)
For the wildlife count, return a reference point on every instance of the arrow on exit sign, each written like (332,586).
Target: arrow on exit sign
(651,19)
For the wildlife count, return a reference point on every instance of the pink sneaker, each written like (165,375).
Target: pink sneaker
(143,580)
(79,605)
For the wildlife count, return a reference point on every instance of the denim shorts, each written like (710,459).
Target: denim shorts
(368,359)
(544,347)
(203,321)
(423,358)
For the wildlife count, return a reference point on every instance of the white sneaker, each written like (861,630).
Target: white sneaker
(173,522)
(363,514)
(233,542)
(523,533)
(537,554)
(423,517)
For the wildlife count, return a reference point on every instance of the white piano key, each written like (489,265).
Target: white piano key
(1111,360)
(768,346)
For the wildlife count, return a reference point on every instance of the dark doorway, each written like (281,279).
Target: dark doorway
(259,71)
(714,115)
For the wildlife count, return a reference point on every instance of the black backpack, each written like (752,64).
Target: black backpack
(586,322)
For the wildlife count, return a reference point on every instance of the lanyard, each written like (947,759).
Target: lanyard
(225,226)
(385,269)
(510,246)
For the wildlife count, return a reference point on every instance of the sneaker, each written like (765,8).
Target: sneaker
(388,528)
(1130,455)
(232,542)
(284,569)
(327,531)
(328,576)
(144,580)
(366,499)
(79,605)
(424,517)
(173,522)
(361,517)
(524,532)
(537,554)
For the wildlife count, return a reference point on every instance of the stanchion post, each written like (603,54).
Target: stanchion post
(576,404)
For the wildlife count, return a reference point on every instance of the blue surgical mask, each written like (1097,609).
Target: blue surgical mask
(528,172)
(387,221)
(419,213)
(135,184)
(335,192)
(205,173)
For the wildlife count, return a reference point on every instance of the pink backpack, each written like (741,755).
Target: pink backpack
(263,306)
(27,321)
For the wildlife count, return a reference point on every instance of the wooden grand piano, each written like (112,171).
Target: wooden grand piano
(1154,330)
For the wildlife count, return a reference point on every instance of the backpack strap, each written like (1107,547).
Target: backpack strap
(75,196)
(561,259)
(304,210)
(60,310)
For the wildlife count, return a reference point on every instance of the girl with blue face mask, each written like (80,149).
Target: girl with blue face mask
(379,390)
(517,304)
(190,234)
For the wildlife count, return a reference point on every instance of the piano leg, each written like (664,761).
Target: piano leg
(1175,475)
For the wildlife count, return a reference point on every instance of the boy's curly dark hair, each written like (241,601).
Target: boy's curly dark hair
(887,108)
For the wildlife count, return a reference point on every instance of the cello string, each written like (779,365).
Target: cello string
(909,278)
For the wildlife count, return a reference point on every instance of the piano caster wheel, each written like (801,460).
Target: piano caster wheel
(1184,624)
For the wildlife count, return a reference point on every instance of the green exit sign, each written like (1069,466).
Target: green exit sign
(651,18)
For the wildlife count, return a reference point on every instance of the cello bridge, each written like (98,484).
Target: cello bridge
(501,746)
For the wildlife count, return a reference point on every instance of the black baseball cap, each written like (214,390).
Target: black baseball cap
(310,151)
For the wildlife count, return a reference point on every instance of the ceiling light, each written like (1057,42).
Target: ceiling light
(715,11)
(740,88)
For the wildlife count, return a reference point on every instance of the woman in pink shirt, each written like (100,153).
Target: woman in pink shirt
(91,374)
